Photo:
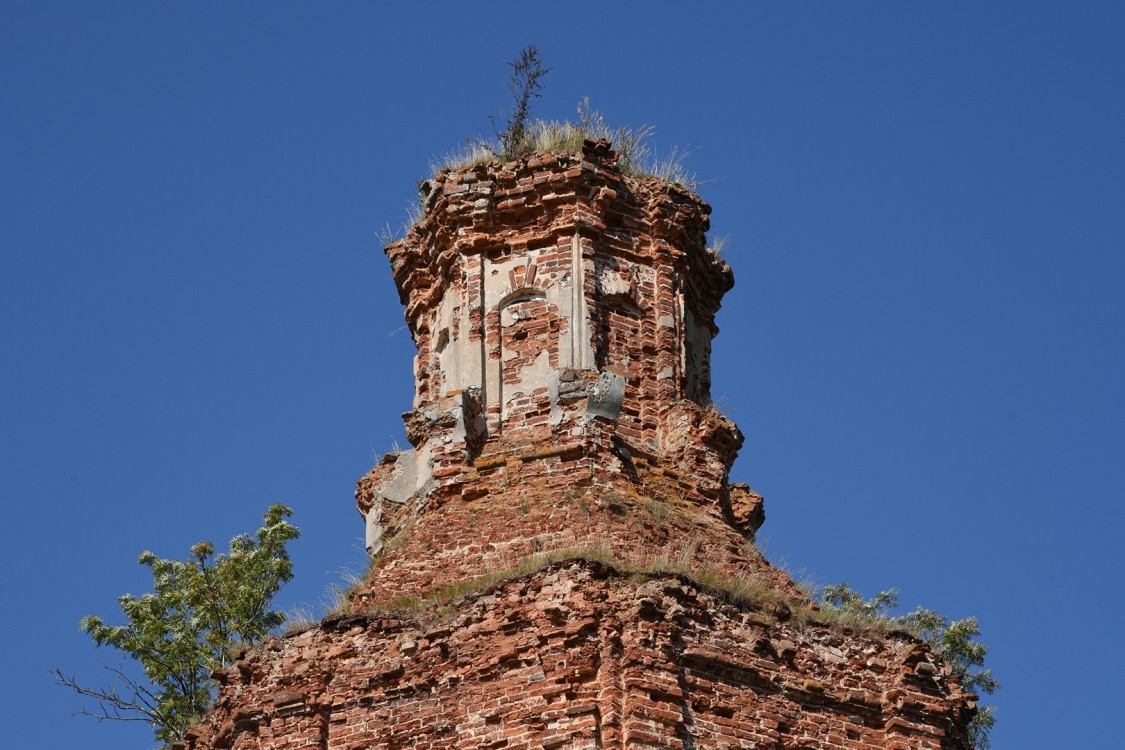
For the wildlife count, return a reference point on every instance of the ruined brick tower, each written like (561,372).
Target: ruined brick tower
(560,560)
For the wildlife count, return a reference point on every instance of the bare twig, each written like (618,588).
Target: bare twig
(138,705)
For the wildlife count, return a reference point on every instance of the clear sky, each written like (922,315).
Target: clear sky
(924,347)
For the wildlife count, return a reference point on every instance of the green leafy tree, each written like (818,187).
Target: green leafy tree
(200,613)
(844,598)
(954,641)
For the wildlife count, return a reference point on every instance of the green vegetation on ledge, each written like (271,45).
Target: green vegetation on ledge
(840,607)
(523,134)
(954,641)
(635,155)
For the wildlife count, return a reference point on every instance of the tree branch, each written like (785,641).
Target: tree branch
(141,706)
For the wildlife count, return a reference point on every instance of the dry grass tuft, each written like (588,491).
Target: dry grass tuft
(635,154)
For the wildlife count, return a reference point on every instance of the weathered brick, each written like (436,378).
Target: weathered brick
(563,314)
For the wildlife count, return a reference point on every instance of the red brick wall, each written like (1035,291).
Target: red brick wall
(538,292)
(577,655)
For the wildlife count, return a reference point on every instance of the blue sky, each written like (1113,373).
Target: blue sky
(923,347)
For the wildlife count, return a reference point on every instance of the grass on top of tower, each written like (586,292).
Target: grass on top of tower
(636,155)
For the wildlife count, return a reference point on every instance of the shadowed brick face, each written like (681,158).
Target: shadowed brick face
(564,314)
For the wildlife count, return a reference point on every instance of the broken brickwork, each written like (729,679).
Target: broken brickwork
(563,314)
(565,457)
(577,655)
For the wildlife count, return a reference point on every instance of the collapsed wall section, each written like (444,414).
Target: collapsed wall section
(579,655)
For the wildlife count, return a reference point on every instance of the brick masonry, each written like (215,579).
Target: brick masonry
(578,655)
(566,456)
